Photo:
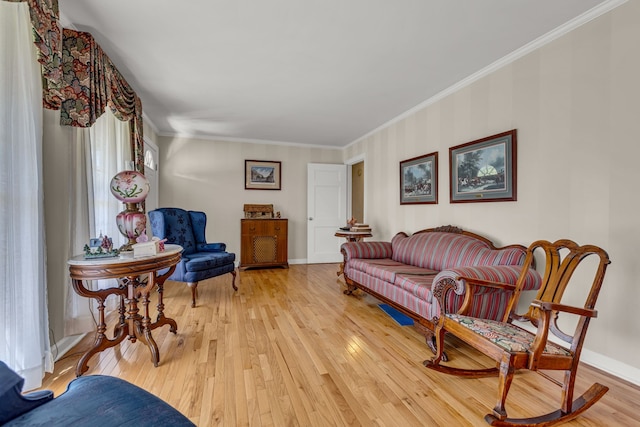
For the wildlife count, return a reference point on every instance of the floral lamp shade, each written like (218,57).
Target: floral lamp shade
(130,186)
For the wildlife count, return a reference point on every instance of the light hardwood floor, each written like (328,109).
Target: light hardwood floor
(289,349)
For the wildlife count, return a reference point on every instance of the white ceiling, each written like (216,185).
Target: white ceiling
(319,72)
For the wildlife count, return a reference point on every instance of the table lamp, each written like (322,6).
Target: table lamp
(131,188)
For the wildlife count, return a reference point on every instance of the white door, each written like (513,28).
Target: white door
(151,172)
(326,211)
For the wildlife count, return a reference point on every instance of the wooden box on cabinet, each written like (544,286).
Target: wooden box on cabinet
(263,243)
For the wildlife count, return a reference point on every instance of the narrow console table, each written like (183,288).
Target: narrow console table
(131,287)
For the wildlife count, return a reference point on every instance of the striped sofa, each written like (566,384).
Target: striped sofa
(403,272)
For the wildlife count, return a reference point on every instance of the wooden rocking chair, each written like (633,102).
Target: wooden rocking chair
(514,348)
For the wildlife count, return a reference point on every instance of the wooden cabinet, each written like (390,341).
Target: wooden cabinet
(263,243)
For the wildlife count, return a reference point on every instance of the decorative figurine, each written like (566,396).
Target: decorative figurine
(107,244)
(101,247)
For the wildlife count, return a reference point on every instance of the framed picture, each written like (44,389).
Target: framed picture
(419,180)
(262,175)
(484,170)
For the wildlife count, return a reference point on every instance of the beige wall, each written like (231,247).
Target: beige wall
(576,105)
(206,175)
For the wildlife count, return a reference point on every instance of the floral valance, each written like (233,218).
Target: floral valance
(79,78)
(48,38)
(91,82)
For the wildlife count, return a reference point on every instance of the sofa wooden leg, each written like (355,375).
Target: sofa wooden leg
(350,289)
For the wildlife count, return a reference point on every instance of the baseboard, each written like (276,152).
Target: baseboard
(611,366)
(63,346)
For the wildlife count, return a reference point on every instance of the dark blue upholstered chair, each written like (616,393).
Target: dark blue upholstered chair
(200,260)
(91,400)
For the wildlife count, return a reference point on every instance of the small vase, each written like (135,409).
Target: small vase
(131,223)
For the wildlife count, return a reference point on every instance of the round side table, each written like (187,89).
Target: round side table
(130,289)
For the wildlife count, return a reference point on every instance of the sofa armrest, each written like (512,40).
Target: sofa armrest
(211,247)
(481,279)
(366,250)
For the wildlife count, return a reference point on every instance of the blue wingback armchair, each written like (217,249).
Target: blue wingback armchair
(91,400)
(200,260)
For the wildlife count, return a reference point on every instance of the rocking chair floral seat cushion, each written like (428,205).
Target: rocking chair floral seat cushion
(506,335)
(200,260)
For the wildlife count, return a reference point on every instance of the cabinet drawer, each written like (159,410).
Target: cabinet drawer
(264,226)
(254,227)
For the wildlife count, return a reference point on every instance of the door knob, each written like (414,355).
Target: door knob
(310,218)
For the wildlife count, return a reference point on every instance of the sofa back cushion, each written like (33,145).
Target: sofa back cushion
(440,251)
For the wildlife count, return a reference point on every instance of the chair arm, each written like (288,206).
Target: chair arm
(211,247)
(546,322)
(366,250)
(552,306)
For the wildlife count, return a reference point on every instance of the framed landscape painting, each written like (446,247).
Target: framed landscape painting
(419,180)
(484,170)
(262,175)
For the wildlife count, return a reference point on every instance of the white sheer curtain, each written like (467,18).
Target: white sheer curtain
(110,154)
(98,153)
(24,332)
(77,315)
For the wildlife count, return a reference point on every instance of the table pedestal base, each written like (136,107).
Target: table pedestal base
(131,323)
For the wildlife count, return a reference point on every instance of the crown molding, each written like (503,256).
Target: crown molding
(552,35)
